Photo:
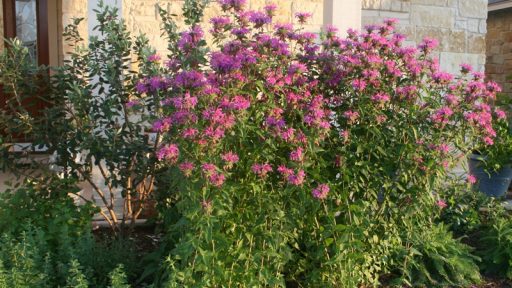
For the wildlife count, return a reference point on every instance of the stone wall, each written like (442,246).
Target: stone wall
(459,25)
(499,49)
(70,9)
(141,16)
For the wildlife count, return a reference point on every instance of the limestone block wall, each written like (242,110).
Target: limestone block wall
(141,16)
(459,25)
(499,49)
(69,9)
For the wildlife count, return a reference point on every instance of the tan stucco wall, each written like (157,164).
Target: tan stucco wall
(499,49)
(459,25)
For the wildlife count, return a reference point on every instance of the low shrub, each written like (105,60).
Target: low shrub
(47,240)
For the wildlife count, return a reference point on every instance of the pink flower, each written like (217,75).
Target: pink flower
(500,114)
(359,84)
(443,148)
(441,203)
(471,179)
(351,116)
(284,171)
(380,98)
(186,168)
(428,44)
(345,135)
(169,152)
(217,179)
(189,133)
(381,118)
(442,115)
(207,206)
(209,169)
(297,179)
(297,155)
(488,141)
(230,157)
(465,68)
(261,169)
(321,191)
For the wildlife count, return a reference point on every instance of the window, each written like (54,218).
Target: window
(28,20)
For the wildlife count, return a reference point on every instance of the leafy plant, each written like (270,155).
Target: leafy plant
(76,278)
(496,247)
(118,278)
(434,259)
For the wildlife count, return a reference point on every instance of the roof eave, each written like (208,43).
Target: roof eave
(500,6)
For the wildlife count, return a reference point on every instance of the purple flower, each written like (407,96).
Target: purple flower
(303,17)
(240,32)
(141,86)
(224,63)
(191,38)
(132,103)
(219,23)
(154,58)
(283,30)
(189,79)
(270,9)
(259,18)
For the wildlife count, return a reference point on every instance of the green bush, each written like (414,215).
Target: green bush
(47,240)
(496,247)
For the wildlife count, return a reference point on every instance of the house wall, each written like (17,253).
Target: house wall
(141,16)
(69,9)
(499,49)
(459,25)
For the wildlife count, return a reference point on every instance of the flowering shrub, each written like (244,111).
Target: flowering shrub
(305,162)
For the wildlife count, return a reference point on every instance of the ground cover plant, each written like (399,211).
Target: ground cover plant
(280,158)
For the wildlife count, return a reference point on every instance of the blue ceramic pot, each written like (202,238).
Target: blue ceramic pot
(493,184)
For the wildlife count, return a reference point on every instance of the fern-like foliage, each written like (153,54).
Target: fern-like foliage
(496,248)
(433,258)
